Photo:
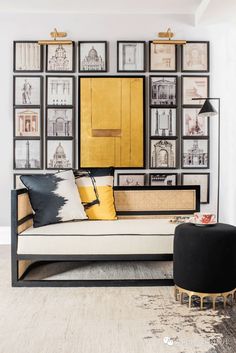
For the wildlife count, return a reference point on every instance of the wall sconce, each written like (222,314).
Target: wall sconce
(168,35)
(55,34)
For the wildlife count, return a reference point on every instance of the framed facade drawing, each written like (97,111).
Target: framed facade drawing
(60,122)
(194,87)
(162,57)
(28,56)
(59,154)
(130,56)
(195,153)
(112,121)
(60,58)
(27,90)
(162,179)
(163,122)
(163,91)
(131,179)
(60,90)
(195,57)
(194,125)
(27,154)
(198,179)
(93,56)
(163,154)
(27,122)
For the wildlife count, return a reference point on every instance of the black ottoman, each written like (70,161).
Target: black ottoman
(205,261)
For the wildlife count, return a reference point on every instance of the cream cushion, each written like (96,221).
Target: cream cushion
(122,236)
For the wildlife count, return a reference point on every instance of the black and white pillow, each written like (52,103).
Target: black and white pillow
(54,198)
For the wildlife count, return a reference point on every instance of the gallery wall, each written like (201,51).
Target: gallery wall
(126,27)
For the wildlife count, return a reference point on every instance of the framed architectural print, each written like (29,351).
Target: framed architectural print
(130,56)
(195,153)
(27,154)
(27,122)
(60,58)
(60,90)
(27,90)
(194,87)
(111,129)
(28,56)
(163,91)
(131,179)
(93,56)
(162,179)
(194,125)
(163,122)
(60,122)
(60,154)
(162,57)
(198,179)
(195,57)
(163,154)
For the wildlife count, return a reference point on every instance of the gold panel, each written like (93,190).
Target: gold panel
(111,122)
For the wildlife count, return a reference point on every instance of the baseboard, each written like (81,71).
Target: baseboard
(5,235)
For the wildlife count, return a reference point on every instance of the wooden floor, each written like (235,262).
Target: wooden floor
(107,320)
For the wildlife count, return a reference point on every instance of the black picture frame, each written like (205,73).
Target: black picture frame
(193,136)
(106,56)
(208,185)
(122,174)
(40,119)
(73,122)
(171,137)
(118,55)
(15,53)
(15,77)
(183,47)
(150,58)
(176,153)
(166,174)
(40,151)
(72,94)
(72,58)
(208,153)
(194,103)
(71,139)
(155,105)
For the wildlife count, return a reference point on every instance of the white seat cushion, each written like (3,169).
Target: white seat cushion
(123,236)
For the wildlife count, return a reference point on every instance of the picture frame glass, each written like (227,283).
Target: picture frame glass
(60,57)
(60,122)
(195,56)
(163,179)
(27,154)
(162,57)
(92,56)
(163,122)
(163,90)
(131,179)
(131,56)
(163,153)
(194,87)
(198,179)
(192,124)
(27,56)
(27,91)
(60,90)
(195,153)
(59,154)
(27,122)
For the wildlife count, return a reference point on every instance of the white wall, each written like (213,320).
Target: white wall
(118,27)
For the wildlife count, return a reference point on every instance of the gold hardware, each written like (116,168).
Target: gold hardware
(55,34)
(179,293)
(168,35)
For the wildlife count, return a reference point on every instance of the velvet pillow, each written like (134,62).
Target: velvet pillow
(54,198)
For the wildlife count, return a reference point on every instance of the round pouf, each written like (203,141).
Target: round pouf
(205,261)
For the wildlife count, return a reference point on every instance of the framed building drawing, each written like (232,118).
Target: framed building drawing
(60,122)
(163,154)
(27,122)
(163,122)
(60,90)
(194,87)
(27,154)
(195,153)
(93,56)
(60,58)
(59,154)
(131,179)
(163,91)
(27,90)
(28,56)
(195,56)
(162,57)
(162,179)
(194,125)
(130,56)
(198,179)
(111,121)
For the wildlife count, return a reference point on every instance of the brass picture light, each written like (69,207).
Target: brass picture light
(168,35)
(55,41)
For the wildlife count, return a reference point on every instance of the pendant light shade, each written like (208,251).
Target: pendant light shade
(207,110)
